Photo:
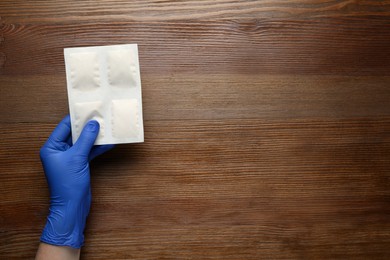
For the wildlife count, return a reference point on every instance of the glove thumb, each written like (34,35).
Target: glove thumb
(87,138)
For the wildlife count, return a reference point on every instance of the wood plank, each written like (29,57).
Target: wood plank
(114,10)
(217,189)
(198,97)
(332,46)
(227,242)
(267,128)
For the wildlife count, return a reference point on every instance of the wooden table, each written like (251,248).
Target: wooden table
(267,128)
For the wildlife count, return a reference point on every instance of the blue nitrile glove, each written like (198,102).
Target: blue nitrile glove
(67,173)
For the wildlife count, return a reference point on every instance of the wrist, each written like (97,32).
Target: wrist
(46,251)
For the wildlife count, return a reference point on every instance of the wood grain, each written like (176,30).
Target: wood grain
(188,97)
(232,181)
(113,10)
(322,46)
(267,128)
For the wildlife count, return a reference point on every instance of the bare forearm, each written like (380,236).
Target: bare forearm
(46,251)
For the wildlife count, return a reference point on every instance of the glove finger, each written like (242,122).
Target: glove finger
(87,138)
(60,134)
(99,149)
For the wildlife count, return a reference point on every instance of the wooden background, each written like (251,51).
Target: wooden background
(267,128)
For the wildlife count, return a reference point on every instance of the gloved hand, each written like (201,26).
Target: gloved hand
(67,173)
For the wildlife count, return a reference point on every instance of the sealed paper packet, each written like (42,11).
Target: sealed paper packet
(104,84)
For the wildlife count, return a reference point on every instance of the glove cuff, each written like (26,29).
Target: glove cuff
(65,225)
